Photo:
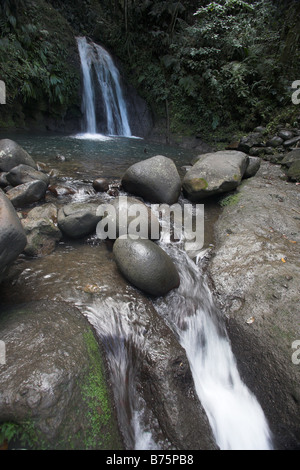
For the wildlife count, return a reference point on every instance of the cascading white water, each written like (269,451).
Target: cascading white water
(97,64)
(235,416)
(111,319)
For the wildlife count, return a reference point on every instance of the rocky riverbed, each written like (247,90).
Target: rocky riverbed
(254,271)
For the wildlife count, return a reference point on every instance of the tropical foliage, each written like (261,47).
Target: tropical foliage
(201,65)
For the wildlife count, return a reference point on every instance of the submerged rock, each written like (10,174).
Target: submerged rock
(12,236)
(146,266)
(215,173)
(12,155)
(155,180)
(53,384)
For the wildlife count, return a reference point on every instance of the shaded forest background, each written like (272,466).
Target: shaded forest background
(203,67)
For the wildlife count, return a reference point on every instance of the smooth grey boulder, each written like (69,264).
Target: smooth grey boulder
(155,180)
(27,193)
(41,230)
(147,266)
(25,174)
(12,236)
(78,219)
(215,173)
(11,155)
(253,167)
(127,215)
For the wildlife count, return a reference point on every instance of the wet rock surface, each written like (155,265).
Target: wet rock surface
(46,379)
(146,266)
(256,272)
(125,321)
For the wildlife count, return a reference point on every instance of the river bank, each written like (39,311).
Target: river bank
(255,270)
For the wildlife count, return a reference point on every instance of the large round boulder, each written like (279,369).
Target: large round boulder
(155,180)
(11,155)
(147,266)
(12,236)
(215,173)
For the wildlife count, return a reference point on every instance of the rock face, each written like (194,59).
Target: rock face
(128,215)
(27,193)
(215,173)
(11,155)
(55,379)
(12,236)
(78,220)
(25,174)
(146,266)
(41,230)
(155,180)
(256,273)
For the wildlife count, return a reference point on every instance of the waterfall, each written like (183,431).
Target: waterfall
(235,416)
(101,84)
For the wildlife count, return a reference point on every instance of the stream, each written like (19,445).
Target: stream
(236,418)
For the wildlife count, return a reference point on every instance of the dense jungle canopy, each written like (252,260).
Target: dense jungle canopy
(202,66)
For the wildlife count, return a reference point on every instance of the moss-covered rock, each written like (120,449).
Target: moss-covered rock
(54,388)
(294,171)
